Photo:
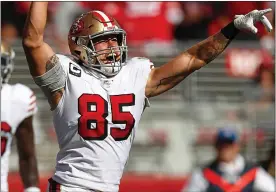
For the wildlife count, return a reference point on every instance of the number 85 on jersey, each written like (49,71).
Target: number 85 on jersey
(93,110)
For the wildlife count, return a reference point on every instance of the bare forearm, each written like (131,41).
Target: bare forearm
(35,24)
(26,152)
(28,171)
(170,74)
(207,50)
(199,55)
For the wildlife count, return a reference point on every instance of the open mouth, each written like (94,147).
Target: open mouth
(111,58)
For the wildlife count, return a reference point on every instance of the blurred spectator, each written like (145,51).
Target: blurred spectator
(229,9)
(246,63)
(229,171)
(15,13)
(143,21)
(262,89)
(260,100)
(197,16)
(151,24)
(265,82)
(148,24)
(9,33)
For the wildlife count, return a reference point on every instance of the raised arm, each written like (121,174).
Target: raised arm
(167,76)
(38,53)
(44,65)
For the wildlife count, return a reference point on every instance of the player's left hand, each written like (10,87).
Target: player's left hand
(246,22)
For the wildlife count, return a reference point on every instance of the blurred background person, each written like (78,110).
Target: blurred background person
(9,33)
(229,9)
(229,171)
(14,13)
(18,106)
(261,98)
(196,19)
(139,19)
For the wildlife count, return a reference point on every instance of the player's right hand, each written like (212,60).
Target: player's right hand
(246,22)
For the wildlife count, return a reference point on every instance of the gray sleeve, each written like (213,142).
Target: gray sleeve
(52,80)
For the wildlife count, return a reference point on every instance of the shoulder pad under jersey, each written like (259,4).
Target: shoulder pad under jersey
(143,61)
(67,62)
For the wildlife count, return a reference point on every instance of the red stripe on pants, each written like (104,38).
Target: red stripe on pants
(54,186)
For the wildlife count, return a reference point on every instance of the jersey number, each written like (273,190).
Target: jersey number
(94,110)
(6,129)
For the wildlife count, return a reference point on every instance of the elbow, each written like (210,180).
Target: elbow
(31,44)
(32,41)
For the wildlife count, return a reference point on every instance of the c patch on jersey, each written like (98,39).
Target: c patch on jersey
(74,70)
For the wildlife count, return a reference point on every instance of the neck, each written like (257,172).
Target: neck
(226,161)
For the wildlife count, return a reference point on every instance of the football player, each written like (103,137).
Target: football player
(97,95)
(18,106)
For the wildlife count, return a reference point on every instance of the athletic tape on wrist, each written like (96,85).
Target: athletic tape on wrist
(230,31)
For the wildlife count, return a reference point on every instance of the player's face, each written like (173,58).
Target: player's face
(105,43)
(227,152)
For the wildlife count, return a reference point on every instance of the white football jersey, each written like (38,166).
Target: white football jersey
(17,103)
(95,123)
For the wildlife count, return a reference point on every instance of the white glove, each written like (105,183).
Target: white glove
(247,21)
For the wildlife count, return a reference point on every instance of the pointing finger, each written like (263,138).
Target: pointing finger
(262,12)
(266,23)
